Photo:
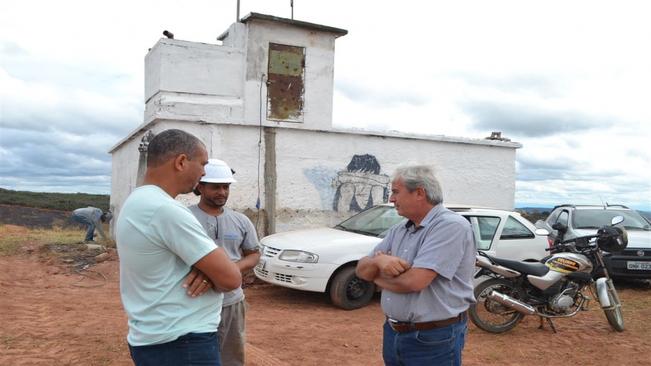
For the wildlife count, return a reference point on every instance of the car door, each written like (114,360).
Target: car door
(484,227)
(517,241)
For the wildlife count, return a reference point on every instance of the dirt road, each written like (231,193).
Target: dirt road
(49,316)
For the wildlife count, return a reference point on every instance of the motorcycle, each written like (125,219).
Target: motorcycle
(555,287)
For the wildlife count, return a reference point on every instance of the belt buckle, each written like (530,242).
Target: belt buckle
(399,326)
(393,323)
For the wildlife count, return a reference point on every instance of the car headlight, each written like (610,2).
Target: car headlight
(298,256)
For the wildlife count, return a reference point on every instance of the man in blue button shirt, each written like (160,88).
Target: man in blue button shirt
(424,266)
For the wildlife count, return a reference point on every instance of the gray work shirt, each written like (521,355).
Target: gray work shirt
(444,242)
(90,213)
(234,232)
(94,215)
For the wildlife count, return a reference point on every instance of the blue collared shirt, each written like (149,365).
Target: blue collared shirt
(443,242)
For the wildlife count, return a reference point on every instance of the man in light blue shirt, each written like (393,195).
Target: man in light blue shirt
(424,266)
(159,241)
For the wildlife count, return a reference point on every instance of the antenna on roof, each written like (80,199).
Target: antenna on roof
(237,14)
(291,5)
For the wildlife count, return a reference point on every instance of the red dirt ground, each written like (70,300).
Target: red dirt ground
(51,316)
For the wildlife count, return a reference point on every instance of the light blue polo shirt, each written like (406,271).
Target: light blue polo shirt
(158,240)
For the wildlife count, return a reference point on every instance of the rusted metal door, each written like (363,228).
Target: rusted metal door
(285,83)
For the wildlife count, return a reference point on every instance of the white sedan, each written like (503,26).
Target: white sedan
(324,259)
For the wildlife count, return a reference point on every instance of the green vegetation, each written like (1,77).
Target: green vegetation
(12,238)
(54,201)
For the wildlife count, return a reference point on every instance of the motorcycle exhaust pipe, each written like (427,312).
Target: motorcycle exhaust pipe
(512,303)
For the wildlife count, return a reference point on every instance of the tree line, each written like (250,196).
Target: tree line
(53,201)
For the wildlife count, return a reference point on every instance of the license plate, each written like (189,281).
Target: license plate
(639,266)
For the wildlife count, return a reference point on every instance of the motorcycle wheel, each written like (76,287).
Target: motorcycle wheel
(614,314)
(490,315)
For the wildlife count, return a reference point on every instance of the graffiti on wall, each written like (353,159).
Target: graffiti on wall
(361,185)
(321,178)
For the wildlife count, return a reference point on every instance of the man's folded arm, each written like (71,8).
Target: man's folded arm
(412,280)
(223,273)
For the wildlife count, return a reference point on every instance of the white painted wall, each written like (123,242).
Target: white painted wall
(194,81)
(308,162)
(124,169)
(222,83)
(476,172)
(213,92)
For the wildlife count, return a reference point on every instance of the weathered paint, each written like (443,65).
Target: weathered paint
(285,86)
(218,93)
(308,163)
(361,185)
(322,178)
(270,178)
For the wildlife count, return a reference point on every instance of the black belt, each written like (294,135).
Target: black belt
(402,327)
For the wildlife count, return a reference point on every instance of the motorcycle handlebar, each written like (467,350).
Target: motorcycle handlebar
(582,242)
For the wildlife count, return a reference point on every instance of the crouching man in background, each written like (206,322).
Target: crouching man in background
(93,218)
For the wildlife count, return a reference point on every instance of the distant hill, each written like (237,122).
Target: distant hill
(534,214)
(53,201)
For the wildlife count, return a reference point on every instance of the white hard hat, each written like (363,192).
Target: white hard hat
(217,171)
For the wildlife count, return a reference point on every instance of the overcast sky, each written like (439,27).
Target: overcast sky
(570,80)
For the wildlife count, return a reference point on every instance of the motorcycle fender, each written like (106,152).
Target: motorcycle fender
(602,292)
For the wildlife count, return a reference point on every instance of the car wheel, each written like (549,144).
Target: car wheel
(348,291)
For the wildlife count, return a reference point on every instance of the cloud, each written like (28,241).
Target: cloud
(11,49)
(530,120)
(585,168)
(386,97)
(542,84)
(58,121)
(48,159)
(49,96)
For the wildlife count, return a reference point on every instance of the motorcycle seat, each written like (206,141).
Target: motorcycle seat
(532,268)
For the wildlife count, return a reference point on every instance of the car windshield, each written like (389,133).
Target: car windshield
(374,221)
(594,219)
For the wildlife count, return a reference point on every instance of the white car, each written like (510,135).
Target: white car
(324,259)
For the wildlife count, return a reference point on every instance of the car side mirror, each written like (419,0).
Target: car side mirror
(617,220)
(561,228)
(542,232)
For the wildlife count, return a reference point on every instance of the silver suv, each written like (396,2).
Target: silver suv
(634,261)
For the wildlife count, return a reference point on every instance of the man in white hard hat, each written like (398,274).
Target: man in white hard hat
(236,234)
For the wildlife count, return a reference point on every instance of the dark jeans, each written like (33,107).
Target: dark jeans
(91,226)
(439,346)
(188,350)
